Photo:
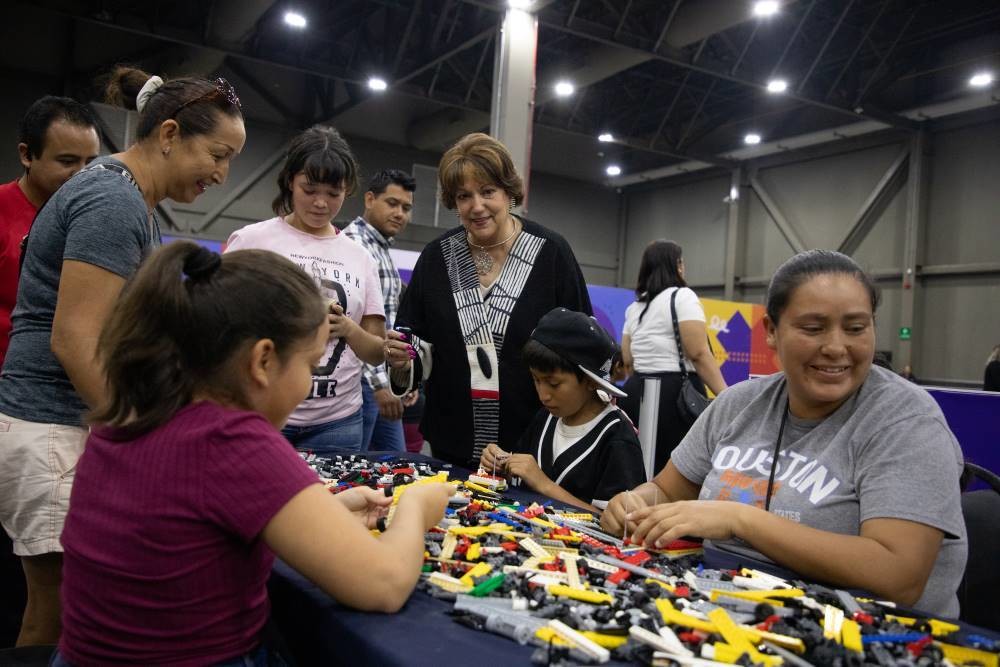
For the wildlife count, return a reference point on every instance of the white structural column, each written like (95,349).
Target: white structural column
(513,107)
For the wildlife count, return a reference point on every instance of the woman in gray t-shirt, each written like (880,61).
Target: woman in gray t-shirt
(85,243)
(839,470)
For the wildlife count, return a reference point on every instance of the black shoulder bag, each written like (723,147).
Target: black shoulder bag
(690,402)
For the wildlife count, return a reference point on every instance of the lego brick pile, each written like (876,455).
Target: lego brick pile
(553,579)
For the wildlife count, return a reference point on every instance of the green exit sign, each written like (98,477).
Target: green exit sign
(905,333)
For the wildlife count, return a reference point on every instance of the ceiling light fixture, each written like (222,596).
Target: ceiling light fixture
(295,19)
(766,7)
(981,79)
(605,137)
(377,84)
(777,86)
(564,88)
(752,139)
(520,4)
(613,170)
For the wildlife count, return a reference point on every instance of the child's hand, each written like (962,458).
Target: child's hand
(613,518)
(493,458)
(365,503)
(341,326)
(525,467)
(432,499)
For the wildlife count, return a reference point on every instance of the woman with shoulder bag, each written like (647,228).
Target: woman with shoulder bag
(665,337)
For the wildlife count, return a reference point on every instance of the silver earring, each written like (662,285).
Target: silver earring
(166,151)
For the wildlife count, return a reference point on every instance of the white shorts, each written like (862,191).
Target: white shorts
(37,465)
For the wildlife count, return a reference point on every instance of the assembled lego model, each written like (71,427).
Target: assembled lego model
(553,579)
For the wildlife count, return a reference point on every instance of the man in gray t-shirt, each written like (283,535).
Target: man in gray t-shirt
(887,452)
(98,217)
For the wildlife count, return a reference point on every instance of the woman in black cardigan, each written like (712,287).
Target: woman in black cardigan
(475,296)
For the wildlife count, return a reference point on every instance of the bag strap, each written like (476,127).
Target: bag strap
(677,331)
(108,166)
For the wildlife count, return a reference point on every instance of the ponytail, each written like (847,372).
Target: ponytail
(185,315)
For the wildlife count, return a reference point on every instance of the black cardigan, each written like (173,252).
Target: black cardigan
(428,308)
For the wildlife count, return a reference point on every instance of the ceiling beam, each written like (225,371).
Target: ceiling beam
(857,113)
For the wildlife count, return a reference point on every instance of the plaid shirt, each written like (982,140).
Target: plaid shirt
(378,247)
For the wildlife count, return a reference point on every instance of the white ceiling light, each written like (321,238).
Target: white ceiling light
(981,79)
(375,83)
(564,88)
(520,4)
(605,137)
(752,139)
(295,19)
(766,7)
(613,170)
(777,86)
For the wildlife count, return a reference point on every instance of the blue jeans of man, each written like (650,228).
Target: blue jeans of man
(345,433)
(380,433)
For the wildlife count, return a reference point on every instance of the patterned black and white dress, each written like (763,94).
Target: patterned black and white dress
(470,343)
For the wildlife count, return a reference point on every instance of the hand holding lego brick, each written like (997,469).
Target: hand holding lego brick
(341,326)
(493,458)
(662,524)
(526,467)
(613,518)
(366,503)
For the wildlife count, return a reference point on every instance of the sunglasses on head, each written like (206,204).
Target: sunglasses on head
(222,88)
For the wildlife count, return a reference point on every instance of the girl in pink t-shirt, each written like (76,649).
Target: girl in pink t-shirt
(186,491)
(319,173)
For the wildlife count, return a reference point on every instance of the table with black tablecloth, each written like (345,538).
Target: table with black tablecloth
(319,631)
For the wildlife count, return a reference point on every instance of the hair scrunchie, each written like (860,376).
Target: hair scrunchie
(201,264)
(151,86)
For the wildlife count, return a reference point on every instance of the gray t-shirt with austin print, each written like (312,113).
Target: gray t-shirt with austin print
(887,452)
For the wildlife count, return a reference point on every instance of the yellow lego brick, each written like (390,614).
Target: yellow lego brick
(476,531)
(480,489)
(577,516)
(450,584)
(569,539)
(850,636)
(784,641)
(673,616)
(479,570)
(607,641)
(547,634)
(725,626)
(473,552)
(961,655)
(938,628)
(592,597)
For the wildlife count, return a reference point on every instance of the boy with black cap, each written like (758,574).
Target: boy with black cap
(580,448)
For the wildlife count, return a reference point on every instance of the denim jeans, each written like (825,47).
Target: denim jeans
(380,433)
(340,434)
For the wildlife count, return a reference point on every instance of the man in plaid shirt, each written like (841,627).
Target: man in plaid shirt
(388,205)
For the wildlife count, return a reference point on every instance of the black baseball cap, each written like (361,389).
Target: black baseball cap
(581,341)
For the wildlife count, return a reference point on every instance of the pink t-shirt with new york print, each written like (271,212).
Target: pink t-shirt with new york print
(344,271)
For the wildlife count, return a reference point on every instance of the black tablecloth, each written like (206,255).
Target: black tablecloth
(319,631)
